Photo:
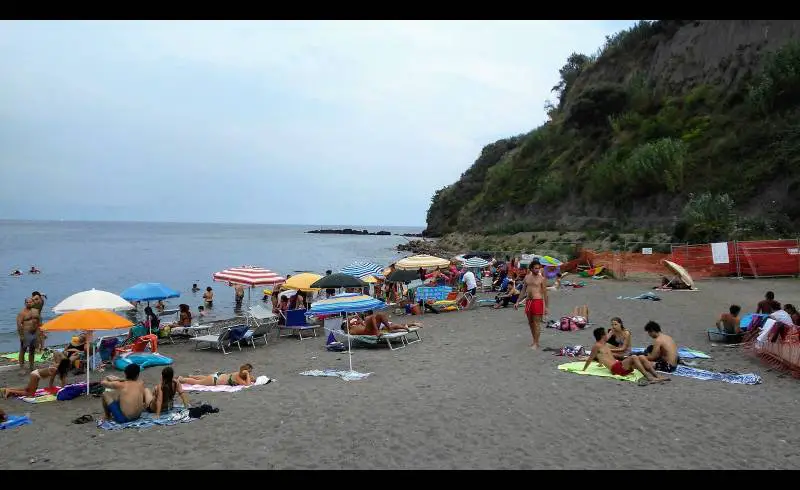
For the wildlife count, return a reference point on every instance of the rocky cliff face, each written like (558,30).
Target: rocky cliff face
(667,110)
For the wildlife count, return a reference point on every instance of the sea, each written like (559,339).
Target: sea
(112,256)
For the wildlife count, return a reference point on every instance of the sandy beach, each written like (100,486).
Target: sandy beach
(472,395)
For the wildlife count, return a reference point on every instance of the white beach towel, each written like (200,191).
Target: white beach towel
(261,380)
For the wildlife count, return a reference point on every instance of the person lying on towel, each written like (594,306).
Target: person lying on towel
(60,367)
(242,378)
(664,351)
(602,354)
(375,324)
(127,400)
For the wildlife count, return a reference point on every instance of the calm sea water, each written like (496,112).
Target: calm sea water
(76,256)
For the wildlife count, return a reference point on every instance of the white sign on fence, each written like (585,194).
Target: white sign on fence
(793,251)
(719,253)
(647,251)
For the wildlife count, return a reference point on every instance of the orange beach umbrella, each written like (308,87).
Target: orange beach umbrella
(89,320)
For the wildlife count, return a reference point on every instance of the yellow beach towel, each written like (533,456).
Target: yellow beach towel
(596,369)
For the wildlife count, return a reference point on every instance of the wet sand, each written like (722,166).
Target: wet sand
(472,395)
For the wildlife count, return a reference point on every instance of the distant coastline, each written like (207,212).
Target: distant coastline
(351,231)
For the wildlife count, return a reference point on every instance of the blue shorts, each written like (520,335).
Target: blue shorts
(116,412)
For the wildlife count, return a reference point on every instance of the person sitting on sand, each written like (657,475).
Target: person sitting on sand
(151,321)
(60,367)
(510,295)
(783,316)
(242,378)
(602,354)
(664,351)
(74,350)
(729,322)
(164,393)
(3,416)
(128,397)
(793,313)
(768,305)
(619,338)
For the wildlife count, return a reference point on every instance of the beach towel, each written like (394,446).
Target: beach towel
(261,380)
(147,420)
(14,356)
(14,421)
(596,369)
(42,395)
(332,373)
(648,295)
(683,353)
(739,379)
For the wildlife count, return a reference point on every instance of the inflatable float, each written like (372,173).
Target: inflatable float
(143,359)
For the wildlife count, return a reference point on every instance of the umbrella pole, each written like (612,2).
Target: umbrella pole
(88,364)
(349,350)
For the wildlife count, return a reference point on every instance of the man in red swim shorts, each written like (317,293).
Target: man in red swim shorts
(602,354)
(535,292)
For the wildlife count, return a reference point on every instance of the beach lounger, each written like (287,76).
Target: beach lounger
(258,331)
(486,284)
(371,340)
(295,321)
(218,341)
(261,316)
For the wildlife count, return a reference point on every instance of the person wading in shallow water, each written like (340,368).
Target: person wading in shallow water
(535,292)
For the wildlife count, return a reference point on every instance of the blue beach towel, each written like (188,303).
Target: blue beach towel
(147,420)
(739,379)
(683,353)
(15,421)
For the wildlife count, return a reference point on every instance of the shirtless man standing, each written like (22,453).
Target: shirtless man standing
(601,353)
(534,289)
(664,352)
(28,321)
(129,398)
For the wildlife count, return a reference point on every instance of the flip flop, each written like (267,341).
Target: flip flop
(643,382)
(83,419)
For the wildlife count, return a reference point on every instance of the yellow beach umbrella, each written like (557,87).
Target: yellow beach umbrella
(302,282)
(422,261)
(369,279)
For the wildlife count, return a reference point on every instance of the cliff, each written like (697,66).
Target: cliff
(685,127)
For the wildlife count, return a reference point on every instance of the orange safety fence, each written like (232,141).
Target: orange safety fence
(751,258)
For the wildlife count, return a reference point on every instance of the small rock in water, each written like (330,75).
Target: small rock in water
(32,460)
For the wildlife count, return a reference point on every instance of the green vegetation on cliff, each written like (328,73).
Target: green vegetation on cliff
(625,149)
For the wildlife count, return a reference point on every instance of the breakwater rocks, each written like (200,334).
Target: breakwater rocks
(351,231)
(427,247)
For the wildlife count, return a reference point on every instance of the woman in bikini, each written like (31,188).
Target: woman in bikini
(60,367)
(242,378)
(619,339)
(164,393)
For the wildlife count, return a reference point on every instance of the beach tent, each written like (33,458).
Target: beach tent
(87,320)
(344,304)
(416,262)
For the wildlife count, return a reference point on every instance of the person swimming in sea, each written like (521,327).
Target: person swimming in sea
(16,272)
(34,270)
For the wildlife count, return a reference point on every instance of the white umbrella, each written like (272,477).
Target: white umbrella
(94,299)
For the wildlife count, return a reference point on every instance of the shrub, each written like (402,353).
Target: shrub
(595,104)
(708,218)
(778,84)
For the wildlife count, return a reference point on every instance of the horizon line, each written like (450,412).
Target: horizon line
(203,223)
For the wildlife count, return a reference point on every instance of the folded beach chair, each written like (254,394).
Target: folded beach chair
(717,335)
(259,331)
(262,316)
(486,284)
(295,321)
(219,341)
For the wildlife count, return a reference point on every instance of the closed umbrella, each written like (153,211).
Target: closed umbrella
(416,262)
(93,299)
(88,320)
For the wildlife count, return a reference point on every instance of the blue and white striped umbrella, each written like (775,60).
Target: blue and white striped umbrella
(475,263)
(361,269)
(345,303)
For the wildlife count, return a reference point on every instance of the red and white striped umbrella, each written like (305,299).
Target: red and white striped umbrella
(249,275)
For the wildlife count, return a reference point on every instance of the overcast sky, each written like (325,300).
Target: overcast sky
(307,122)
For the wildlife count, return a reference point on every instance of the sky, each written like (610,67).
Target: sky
(285,122)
